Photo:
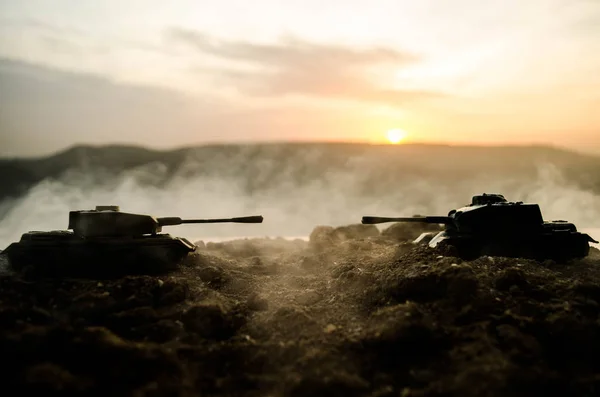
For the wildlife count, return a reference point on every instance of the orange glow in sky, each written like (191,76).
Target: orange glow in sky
(170,74)
(396,135)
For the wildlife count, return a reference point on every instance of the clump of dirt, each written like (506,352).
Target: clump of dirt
(361,315)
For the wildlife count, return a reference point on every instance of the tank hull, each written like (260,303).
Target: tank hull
(61,253)
(559,246)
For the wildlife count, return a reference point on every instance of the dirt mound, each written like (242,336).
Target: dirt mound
(254,247)
(363,316)
(323,237)
(409,231)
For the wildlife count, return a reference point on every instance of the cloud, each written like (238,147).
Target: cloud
(44,109)
(40,25)
(296,67)
(289,52)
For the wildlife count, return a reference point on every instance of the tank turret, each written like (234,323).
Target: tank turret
(109,221)
(491,225)
(106,242)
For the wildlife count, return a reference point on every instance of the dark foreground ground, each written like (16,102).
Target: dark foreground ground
(360,315)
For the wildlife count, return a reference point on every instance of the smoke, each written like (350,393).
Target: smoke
(293,196)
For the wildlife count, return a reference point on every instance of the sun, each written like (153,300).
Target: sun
(396,135)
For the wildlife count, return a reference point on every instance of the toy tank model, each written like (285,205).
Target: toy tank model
(106,242)
(493,226)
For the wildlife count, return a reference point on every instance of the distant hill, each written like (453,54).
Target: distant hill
(261,165)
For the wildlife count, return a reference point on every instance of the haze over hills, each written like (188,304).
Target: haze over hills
(296,186)
(19,174)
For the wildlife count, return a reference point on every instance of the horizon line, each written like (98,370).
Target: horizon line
(298,142)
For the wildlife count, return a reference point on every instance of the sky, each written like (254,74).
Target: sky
(167,74)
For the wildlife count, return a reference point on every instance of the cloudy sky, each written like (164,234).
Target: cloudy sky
(172,73)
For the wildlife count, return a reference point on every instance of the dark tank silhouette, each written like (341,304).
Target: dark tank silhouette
(106,242)
(493,226)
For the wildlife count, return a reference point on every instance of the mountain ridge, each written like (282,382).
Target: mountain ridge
(119,146)
(261,164)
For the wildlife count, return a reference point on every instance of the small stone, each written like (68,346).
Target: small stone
(330,328)
(248,338)
(160,283)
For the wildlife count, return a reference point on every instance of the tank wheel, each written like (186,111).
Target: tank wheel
(579,249)
(563,251)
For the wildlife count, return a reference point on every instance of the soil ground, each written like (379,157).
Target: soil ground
(351,313)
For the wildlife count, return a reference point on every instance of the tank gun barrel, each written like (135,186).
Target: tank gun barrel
(371,220)
(173,221)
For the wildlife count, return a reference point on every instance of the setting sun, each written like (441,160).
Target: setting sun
(396,135)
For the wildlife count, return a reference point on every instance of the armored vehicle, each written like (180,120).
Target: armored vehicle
(106,242)
(493,226)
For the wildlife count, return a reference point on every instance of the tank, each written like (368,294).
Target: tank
(491,225)
(106,242)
